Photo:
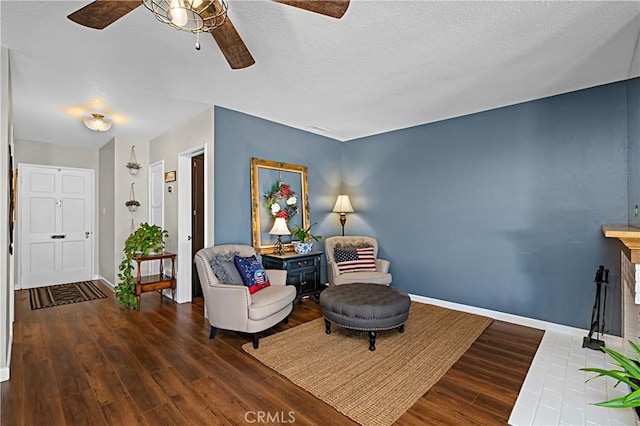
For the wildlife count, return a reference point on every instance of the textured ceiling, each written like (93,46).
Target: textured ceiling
(385,65)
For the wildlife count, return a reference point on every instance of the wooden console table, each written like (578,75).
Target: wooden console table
(157,281)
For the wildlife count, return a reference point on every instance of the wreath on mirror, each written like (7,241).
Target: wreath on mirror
(281,201)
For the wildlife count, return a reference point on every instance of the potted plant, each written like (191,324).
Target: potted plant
(133,168)
(133,205)
(144,240)
(629,373)
(305,237)
(133,164)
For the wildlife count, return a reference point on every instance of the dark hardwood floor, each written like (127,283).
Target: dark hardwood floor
(96,363)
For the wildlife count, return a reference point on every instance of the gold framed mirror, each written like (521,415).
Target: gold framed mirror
(277,190)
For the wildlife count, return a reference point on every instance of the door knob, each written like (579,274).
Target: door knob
(86,234)
(188,237)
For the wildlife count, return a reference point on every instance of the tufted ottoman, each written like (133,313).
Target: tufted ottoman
(367,307)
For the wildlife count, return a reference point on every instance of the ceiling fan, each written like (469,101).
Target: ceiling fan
(197,16)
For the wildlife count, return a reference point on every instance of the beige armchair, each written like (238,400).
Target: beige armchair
(230,306)
(380,276)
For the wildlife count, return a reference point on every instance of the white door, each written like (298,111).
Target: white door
(156,210)
(156,194)
(56,225)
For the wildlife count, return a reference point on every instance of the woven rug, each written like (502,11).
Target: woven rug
(372,388)
(64,294)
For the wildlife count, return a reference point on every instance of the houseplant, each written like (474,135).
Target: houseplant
(133,164)
(144,240)
(629,373)
(304,236)
(133,205)
(133,168)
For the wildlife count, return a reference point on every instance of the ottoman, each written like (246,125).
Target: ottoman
(367,307)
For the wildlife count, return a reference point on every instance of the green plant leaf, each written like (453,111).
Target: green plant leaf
(142,241)
(619,375)
(629,374)
(629,365)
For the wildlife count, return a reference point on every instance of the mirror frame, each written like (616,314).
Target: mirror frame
(257,202)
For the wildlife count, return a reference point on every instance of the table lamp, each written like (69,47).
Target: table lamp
(343,206)
(279,228)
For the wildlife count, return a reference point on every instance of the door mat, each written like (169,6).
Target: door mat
(64,294)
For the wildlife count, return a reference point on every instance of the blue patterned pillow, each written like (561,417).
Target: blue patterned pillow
(252,273)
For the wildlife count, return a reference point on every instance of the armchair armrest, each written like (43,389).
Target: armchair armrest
(229,307)
(277,276)
(382,265)
(333,271)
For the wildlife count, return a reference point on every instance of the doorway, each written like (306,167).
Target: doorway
(197,218)
(56,225)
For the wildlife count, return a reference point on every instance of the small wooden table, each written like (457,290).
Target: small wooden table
(303,271)
(158,281)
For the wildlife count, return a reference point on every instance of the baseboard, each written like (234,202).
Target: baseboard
(502,316)
(104,281)
(4,371)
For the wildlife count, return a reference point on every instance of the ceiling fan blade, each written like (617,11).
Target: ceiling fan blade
(102,13)
(232,46)
(333,8)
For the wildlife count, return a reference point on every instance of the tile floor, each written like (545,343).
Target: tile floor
(555,391)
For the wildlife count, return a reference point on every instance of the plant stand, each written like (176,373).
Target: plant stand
(159,281)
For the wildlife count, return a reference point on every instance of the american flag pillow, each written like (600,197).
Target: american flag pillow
(355,259)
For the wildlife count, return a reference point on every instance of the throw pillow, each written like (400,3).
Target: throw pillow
(225,269)
(351,245)
(355,260)
(252,273)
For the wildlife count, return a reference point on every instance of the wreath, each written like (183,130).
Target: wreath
(281,201)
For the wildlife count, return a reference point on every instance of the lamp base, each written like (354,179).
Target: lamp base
(279,247)
(343,220)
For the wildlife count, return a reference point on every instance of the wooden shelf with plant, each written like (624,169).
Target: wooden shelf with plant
(143,243)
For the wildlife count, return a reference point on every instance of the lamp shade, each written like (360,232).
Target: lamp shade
(343,205)
(280,227)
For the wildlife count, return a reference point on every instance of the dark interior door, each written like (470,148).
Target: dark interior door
(197,219)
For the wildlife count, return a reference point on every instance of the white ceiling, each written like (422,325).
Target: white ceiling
(385,65)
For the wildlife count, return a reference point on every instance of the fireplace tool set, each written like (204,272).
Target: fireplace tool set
(597,315)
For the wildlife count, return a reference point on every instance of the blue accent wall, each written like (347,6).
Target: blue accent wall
(501,209)
(238,137)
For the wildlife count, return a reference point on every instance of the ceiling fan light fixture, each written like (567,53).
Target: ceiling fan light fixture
(97,122)
(195,16)
(177,14)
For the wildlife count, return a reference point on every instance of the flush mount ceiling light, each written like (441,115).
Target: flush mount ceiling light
(97,122)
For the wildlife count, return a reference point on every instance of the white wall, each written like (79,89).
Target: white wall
(47,154)
(55,155)
(6,260)
(114,189)
(106,211)
(196,132)
(122,185)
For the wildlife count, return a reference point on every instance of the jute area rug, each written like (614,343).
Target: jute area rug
(64,294)
(372,388)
